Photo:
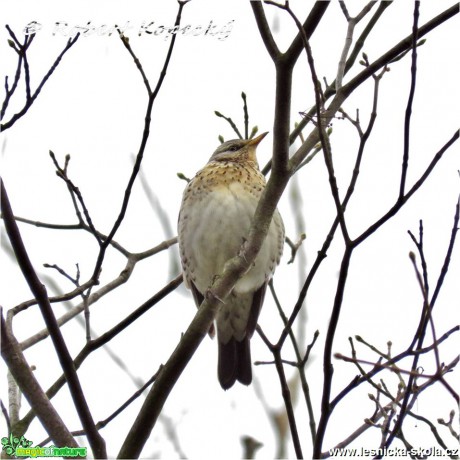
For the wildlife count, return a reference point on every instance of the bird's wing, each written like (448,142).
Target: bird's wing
(198,297)
(257,302)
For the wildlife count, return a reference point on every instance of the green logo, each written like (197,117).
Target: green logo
(22,447)
(10,444)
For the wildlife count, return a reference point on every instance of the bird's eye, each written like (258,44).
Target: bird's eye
(233,148)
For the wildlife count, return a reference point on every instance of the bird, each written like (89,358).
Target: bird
(215,216)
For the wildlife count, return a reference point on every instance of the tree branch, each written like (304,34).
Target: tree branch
(145,135)
(370,70)
(264,30)
(407,118)
(39,291)
(100,341)
(397,206)
(349,38)
(25,378)
(32,97)
(94,297)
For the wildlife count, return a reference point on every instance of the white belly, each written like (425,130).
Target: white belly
(212,232)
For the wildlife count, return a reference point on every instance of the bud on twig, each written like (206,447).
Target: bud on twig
(183,177)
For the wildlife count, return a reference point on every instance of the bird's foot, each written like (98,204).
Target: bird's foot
(242,251)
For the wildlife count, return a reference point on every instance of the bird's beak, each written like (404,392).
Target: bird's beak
(255,142)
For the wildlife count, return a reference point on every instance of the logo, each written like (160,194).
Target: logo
(22,447)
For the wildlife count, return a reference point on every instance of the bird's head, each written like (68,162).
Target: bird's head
(238,150)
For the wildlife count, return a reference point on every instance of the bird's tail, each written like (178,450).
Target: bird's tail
(234,362)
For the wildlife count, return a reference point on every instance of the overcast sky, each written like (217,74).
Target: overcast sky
(93,109)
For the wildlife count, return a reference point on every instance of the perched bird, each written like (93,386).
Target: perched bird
(214,221)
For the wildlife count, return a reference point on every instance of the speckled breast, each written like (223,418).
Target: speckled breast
(217,209)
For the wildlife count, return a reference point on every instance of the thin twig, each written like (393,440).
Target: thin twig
(448,424)
(352,22)
(75,191)
(426,307)
(351,187)
(422,327)
(401,202)
(381,365)
(391,362)
(145,136)
(103,423)
(94,297)
(230,122)
(327,365)
(246,115)
(79,226)
(450,249)
(32,97)
(38,289)
(408,115)
(29,386)
(6,416)
(330,90)
(294,246)
(102,340)
(355,82)
(419,245)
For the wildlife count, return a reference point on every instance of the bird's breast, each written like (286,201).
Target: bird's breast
(215,218)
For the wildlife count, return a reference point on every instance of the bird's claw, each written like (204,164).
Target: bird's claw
(242,251)
(210,295)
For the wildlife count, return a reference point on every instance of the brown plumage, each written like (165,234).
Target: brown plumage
(216,213)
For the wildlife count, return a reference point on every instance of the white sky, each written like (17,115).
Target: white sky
(93,108)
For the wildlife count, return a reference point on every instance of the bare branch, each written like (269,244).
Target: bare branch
(94,297)
(295,246)
(39,291)
(145,135)
(395,208)
(407,119)
(31,389)
(450,249)
(75,192)
(6,416)
(230,122)
(264,30)
(103,423)
(30,99)
(102,340)
(448,424)
(352,22)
